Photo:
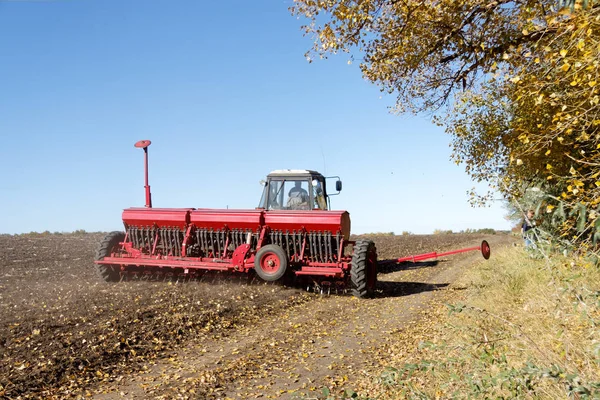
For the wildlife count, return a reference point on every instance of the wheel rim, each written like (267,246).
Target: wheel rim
(270,263)
(485,250)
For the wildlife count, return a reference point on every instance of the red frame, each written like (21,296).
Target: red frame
(484,248)
(189,219)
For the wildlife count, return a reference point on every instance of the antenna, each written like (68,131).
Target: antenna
(143,144)
(324,166)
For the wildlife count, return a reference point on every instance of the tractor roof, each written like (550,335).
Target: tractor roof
(293,172)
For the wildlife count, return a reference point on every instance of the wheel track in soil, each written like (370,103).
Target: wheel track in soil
(325,342)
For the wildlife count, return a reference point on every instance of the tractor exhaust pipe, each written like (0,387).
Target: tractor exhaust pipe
(143,144)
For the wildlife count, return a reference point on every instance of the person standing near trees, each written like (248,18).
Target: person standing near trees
(526,226)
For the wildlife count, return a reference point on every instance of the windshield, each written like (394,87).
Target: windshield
(294,194)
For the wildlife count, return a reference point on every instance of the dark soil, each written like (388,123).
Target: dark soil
(64,332)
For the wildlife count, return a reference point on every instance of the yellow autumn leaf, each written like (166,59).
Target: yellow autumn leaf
(563,52)
(540,99)
(548,166)
(572,171)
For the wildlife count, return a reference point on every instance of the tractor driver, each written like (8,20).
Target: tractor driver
(298,197)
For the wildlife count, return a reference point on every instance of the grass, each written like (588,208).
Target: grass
(518,328)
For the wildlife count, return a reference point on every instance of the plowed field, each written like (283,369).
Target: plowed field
(66,334)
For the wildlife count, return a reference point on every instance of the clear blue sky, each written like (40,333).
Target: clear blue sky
(225,94)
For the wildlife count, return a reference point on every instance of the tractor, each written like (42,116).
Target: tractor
(291,232)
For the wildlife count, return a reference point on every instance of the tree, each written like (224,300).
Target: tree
(513,81)
(543,114)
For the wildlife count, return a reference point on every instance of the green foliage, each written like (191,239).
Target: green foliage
(502,381)
(549,108)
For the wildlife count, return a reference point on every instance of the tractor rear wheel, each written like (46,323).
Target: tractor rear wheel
(270,263)
(109,245)
(363,271)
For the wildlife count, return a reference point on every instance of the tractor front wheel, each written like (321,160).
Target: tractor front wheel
(109,245)
(270,263)
(363,271)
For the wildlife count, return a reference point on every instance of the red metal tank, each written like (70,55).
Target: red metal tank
(161,217)
(320,221)
(227,219)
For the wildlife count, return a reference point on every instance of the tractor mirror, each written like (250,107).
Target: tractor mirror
(338,186)
(263,182)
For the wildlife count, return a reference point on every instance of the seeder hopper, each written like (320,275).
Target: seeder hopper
(292,232)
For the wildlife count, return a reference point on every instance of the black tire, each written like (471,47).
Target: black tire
(363,271)
(110,243)
(270,263)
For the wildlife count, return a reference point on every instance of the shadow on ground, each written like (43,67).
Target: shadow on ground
(399,289)
(389,266)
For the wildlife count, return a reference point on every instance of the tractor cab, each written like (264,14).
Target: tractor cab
(291,189)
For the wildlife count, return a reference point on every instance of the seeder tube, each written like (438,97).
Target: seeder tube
(143,144)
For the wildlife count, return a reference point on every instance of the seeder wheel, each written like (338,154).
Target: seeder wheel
(270,263)
(109,245)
